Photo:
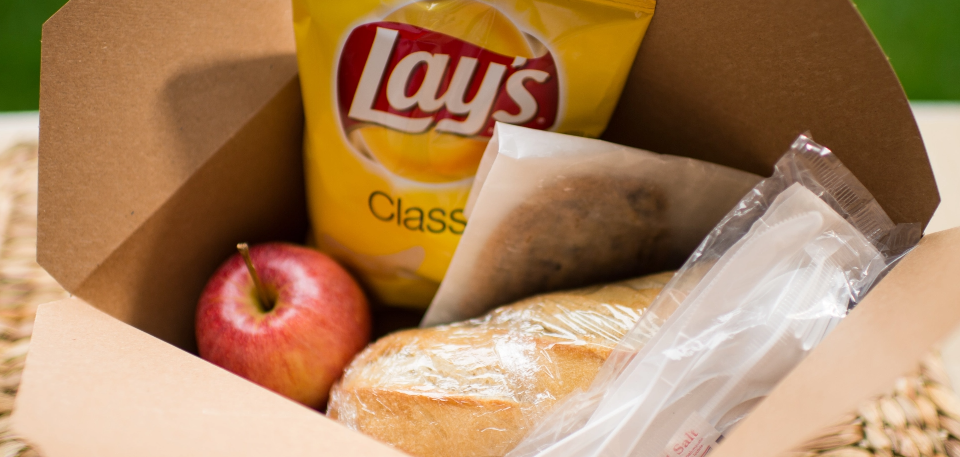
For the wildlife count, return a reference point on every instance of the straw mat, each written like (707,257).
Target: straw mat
(920,417)
(23,284)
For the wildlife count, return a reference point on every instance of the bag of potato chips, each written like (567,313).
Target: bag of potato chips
(401,98)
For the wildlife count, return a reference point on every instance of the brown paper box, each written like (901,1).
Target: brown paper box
(171,129)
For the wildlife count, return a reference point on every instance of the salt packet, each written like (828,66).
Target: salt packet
(761,291)
(549,211)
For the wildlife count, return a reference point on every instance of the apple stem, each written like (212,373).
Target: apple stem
(265,300)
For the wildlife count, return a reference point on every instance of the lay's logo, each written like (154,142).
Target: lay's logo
(411,79)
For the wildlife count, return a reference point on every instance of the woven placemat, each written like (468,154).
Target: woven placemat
(23,284)
(919,418)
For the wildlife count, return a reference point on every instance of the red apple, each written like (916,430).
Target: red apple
(285,317)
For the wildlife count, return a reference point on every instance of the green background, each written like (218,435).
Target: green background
(921,37)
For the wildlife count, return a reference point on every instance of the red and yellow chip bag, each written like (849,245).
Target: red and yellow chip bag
(401,98)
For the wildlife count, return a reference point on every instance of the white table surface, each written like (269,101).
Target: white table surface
(939,125)
(16,127)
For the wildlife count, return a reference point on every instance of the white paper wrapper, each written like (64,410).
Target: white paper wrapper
(551,211)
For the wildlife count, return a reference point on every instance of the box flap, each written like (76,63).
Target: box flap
(250,190)
(734,82)
(151,110)
(913,308)
(94,386)
(168,134)
(134,98)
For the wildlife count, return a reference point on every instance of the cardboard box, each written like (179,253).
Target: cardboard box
(171,129)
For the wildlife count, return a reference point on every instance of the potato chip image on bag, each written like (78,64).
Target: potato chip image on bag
(401,99)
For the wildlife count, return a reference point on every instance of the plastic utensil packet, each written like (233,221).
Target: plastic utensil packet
(401,97)
(761,291)
(550,211)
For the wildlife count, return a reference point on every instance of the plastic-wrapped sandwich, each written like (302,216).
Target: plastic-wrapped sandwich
(475,388)
(764,288)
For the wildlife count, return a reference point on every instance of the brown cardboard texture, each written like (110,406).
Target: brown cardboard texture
(121,392)
(171,130)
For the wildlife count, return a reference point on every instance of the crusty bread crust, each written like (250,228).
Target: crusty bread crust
(474,388)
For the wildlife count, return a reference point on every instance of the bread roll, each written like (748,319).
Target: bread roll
(475,388)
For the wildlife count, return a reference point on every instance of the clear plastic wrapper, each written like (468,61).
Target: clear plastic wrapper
(474,388)
(551,211)
(761,291)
